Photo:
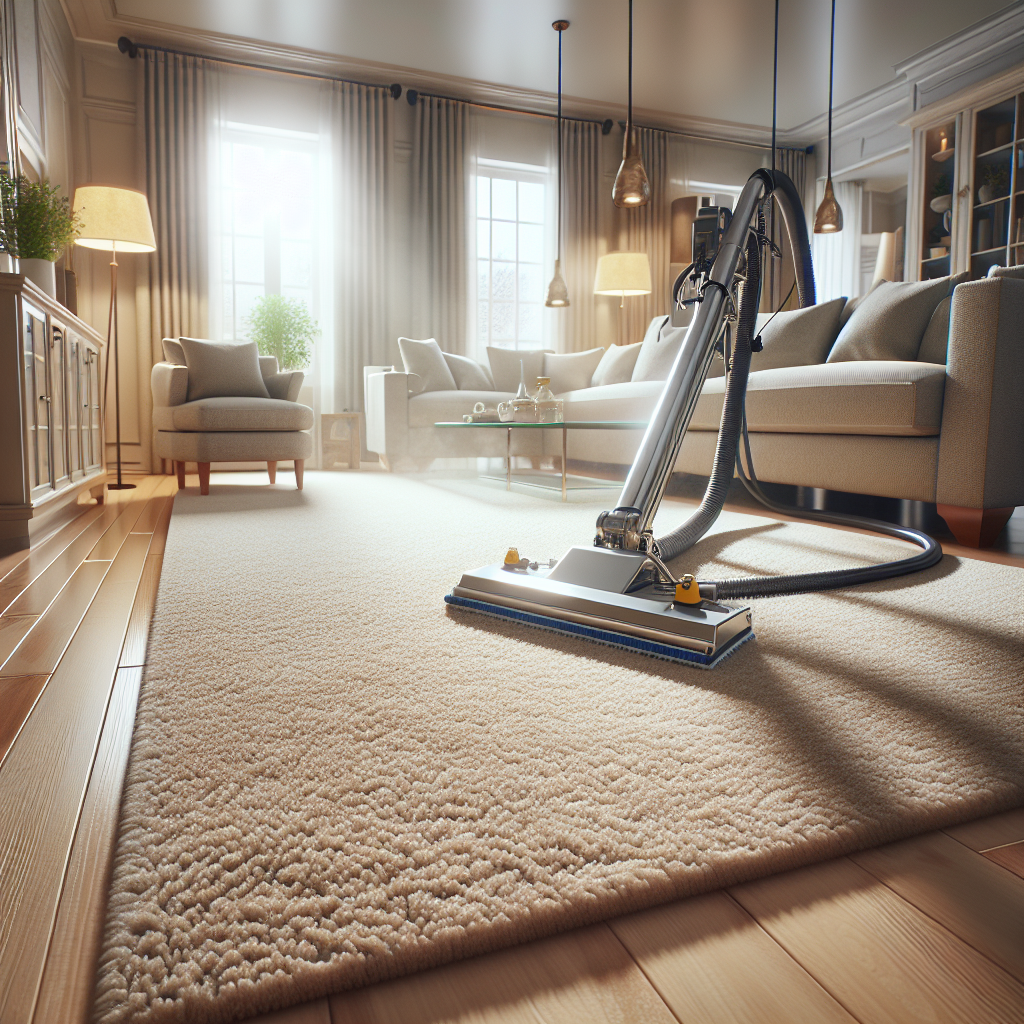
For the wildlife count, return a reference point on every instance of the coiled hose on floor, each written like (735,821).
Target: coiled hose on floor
(728,458)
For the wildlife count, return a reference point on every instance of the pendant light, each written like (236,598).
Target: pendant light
(631,185)
(558,294)
(829,218)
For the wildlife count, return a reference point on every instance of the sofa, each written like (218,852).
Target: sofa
(223,402)
(913,391)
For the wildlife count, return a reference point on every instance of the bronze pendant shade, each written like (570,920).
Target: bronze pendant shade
(829,218)
(558,294)
(631,186)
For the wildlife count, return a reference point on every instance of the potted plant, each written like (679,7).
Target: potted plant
(995,183)
(36,225)
(283,328)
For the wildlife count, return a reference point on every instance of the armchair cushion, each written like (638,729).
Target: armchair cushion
(222,370)
(240,413)
(284,386)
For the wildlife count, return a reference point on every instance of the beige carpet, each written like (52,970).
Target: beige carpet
(333,781)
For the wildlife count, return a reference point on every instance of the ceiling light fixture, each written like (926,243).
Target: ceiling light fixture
(631,185)
(558,294)
(829,218)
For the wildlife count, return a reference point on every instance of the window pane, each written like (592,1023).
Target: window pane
(482,319)
(531,243)
(483,197)
(483,238)
(531,284)
(503,196)
(529,322)
(483,277)
(249,260)
(296,265)
(297,218)
(503,318)
(531,202)
(248,213)
(504,282)
(245,296)
(503,241)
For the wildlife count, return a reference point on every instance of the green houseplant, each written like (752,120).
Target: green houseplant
(36,225)
(283,327)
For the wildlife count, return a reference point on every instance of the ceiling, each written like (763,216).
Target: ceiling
(691,58)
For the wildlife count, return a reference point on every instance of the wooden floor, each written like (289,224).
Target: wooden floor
(931,929)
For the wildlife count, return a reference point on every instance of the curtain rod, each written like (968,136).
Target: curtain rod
(125,45)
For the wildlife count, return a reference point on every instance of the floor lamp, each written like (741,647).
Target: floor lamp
(622,274)
(114,220)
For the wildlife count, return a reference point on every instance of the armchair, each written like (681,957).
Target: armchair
(229,429)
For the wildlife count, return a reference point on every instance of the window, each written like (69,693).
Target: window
(512,228)
(266,223)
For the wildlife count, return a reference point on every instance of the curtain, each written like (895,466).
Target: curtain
(439,272)
(172,298)
(361,283)
(581,231)
(648,229)
(837,256)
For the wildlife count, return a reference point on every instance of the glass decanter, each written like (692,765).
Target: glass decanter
(549,408)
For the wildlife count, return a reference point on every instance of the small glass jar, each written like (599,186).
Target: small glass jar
(549,408)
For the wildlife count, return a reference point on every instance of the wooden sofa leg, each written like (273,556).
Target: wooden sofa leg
(272,472)
(179,468)
(204,478)
(975,527)
(300,465)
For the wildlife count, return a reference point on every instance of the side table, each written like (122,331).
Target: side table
(339,439)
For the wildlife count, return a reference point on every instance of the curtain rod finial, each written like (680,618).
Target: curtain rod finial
(125,45)
(395,89)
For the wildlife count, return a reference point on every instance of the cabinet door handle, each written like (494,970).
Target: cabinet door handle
(965,191)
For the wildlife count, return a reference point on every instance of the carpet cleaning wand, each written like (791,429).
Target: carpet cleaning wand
(620,591)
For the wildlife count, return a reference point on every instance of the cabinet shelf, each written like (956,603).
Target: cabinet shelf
(1006,147)
(989,252)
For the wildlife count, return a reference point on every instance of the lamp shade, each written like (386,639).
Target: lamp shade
(113,218)
(623,273)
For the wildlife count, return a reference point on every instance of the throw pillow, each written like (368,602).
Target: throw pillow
(426,361)
(571,371)
(617,364)
(468,373)
(891,321)
(658,350)
(851,304)
(936,335)
(505,367)
(223,369)
(173,352)
(1017,271)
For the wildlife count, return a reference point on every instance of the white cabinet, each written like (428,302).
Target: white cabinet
(51,423)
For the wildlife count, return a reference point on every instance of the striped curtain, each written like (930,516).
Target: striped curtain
(438,216)
(172,297)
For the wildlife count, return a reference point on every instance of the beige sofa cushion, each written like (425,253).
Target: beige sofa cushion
(424,360)
(449,406)
(505,367)
(617,365)
(935,342)
(632,400)
(891,320)
(223,414)
(468,373)
(571,371)
(658,352)
(173,352)
(895,399)
(222,369)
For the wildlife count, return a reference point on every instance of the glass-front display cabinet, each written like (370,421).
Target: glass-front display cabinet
(966,202)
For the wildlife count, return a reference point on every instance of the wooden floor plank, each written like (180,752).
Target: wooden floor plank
(12,631)
(156,508)
(1010,857)
(41,558)
(988,833)
(44,777)
(883,959)
(975,900)
(43,646)
(53,543)
(134,652)
(318,1012)
(65,993)
(713,964)
(583,975)
(16,698)
(109,544)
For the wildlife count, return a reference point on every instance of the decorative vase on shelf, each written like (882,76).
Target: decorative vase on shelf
(986,194)
(41,274)
(940,204)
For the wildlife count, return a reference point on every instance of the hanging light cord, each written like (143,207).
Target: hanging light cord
(629,118)
(775,83)
(831,76)
(558,233)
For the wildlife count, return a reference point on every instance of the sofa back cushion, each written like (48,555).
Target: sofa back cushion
(891,320)
(571,371)
(426,361)
(936,334)
(223,369)
(173,352)
(617,365)
(468,373)
(505,367)
(1017,271)
(658,349)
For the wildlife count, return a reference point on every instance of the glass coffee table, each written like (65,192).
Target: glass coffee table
(565,427)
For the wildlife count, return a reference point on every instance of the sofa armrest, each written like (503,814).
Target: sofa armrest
(981,446)
(285,385)
(170,384)
(387,414)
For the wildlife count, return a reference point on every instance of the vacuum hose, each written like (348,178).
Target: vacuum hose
(733,428)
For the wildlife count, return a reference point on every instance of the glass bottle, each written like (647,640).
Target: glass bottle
(524,408)
(549,408)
